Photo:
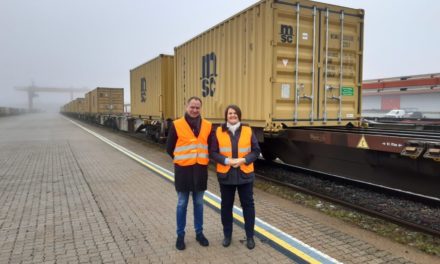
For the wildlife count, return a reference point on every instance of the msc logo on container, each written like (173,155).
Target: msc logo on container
(286,34)
(143,90)
(209,74)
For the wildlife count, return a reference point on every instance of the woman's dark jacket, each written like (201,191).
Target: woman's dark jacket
(234,176)
(192,178)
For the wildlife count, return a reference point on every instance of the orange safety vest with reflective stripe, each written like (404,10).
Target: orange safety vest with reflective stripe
(244,148)
(190,149)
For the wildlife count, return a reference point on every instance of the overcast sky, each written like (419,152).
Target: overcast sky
(90,43)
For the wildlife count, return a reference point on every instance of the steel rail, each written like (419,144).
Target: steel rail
(368,211)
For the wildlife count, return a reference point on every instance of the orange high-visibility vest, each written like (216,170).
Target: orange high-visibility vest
(244,148)
(190,149)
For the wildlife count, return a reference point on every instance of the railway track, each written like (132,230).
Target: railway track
(416,212)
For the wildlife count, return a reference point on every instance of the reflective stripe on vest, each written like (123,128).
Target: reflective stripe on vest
(244,148)
(189,149)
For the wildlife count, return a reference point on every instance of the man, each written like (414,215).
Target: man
(187,144)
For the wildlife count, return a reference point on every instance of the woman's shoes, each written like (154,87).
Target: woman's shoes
(226,241)
(250,243)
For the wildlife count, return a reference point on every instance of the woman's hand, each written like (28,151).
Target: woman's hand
(232,162)
(237,162)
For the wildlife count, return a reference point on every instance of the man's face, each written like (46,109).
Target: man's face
(193,108)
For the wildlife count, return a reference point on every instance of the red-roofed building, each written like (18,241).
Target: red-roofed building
(418,92)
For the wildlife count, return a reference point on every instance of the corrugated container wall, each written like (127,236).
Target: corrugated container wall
(280,62)
(152,89)
(71,108)
(106,101)
(88,102)
(78,105)
(67,107)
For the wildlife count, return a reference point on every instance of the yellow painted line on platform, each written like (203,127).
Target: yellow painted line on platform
(269,235)
(280,242)
(212,202)
(124,150)
(286,245)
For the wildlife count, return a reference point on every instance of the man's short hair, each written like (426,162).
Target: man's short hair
(194,98)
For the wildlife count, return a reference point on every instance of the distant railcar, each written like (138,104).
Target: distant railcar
(152,96)
(102,105)
(103,100)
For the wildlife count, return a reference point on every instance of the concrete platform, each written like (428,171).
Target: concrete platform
(67,196)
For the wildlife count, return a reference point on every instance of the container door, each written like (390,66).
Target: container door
(340,61)
(295,73)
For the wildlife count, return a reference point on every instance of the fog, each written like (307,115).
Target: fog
(86,44)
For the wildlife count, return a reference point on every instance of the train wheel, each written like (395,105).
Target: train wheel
(156,135)
(267,154)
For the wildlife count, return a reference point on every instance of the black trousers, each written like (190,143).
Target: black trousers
(246,194)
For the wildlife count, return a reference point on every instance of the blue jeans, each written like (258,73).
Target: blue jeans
(182,204)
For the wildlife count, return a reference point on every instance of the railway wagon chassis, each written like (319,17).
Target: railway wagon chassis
(395,159)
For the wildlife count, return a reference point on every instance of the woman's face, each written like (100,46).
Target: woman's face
(232,117)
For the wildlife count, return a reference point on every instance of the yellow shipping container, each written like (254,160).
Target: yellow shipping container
(104,100)
(78,105)
(63,109)
(71,107)
(151,89)
(285,63)
(88,103)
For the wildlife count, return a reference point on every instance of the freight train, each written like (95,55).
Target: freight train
(295,69)
(10,111)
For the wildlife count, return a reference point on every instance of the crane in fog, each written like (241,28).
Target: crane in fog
(32,91)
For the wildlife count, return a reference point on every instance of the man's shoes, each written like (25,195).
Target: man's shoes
(250,243)
(180,243)
(226,241)
(202,240)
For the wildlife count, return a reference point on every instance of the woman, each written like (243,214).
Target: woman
(234,148)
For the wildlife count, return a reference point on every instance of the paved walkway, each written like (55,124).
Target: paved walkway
(67,197)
